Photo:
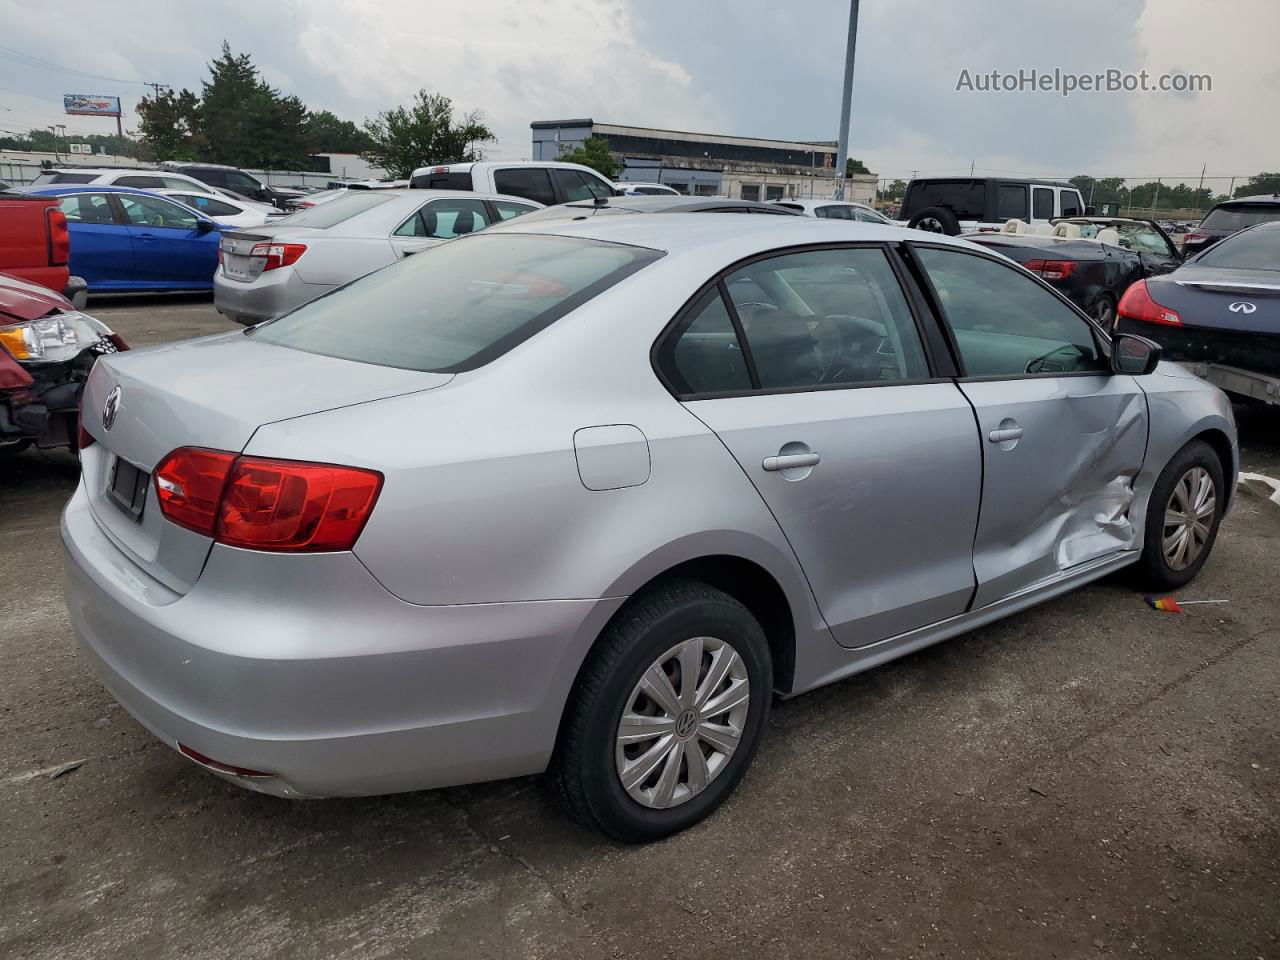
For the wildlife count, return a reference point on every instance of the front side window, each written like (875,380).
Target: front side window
(240,183)
(832,212)
(869,216)
(1005,323)
(484,295)
(826,317)
(209,206)
(155,212)
(86,208)
(139,183)
(579,186)
(446,219)
(532,183)
(1011,203)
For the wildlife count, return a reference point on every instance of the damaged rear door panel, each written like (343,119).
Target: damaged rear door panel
(1058,494)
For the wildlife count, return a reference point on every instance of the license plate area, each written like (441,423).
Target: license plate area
(128,488)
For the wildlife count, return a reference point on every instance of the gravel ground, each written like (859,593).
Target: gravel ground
(1087,779)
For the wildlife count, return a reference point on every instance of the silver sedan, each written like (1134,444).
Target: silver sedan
(584,497)
(265,271)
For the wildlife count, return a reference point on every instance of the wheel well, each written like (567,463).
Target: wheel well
(756,589)
(1221,446)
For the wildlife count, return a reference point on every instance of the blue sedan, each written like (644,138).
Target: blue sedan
(124,239)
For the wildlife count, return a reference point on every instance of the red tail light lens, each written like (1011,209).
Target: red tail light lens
(83,437)
(212,764)
(1138,304)
(278,254)
(1052,269)
(189,485)
(59,238)
(260,504)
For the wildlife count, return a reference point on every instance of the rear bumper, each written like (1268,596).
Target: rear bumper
(1223,357)
(270,295)
(319,676)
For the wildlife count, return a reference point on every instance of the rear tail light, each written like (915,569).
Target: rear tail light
(1052,269)
(260,504)
(59,238)
(1138,304)
(278,254)
(83,437)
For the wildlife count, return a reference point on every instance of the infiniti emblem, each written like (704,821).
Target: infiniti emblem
(111,407)
(1243,306)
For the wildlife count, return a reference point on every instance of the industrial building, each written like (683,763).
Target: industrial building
(708,164)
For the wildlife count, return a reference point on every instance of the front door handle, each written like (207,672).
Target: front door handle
(791,461)
(1002,436)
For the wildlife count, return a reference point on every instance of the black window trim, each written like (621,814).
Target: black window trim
(1102,337)
(692,307)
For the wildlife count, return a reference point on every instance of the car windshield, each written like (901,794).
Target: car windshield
(459,305)
(1239,216)
(335,211)
(1250,250)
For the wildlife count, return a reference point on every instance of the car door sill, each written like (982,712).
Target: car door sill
(858,659)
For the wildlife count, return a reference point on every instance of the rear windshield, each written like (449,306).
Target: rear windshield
(459,305)
(967,199)
(1255,250)
(335,211)
(64,178)
(1240,216)
(457,180)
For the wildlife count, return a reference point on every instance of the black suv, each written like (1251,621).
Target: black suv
(955,205)
(1228,217)
(234,180)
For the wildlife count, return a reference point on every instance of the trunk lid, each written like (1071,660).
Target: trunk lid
(236,245)
(214,392)
(1243,300)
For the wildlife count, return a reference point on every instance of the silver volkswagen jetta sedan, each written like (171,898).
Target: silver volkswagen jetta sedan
(584,496)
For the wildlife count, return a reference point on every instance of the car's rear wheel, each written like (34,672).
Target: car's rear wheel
(936,220)
(666,715)
(1104,312)
(1182,518)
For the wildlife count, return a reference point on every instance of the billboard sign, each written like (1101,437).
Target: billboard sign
(85,105)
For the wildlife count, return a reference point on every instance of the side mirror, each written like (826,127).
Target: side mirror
(1136,356)
(1090,211)
(204,226)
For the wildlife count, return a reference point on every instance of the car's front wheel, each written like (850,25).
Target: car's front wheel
(666,715)
(1182,518)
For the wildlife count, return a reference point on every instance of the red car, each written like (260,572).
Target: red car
(47,349)
(35,244)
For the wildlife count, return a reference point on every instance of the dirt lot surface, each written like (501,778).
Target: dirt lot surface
(1087,779)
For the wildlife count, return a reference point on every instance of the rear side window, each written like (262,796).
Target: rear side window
(458,305)
(140,183)
(209,206)
(1043,201)
(453,180)
(86,208)
(446,219)
(350,204)
(1071,205)
(967,199)
(508,209)
(834,212)
(532,183)
(1239,216)
(705,356)
(1011,203)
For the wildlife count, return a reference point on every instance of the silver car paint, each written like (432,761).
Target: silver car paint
(444,648)
(335,255)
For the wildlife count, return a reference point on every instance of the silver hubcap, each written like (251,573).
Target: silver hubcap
(682,722)
(1188,518)
(930,224)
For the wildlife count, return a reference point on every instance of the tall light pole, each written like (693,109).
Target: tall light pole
(846,100)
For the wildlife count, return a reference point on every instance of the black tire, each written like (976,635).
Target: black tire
(1153,571)
(935,220)
(1104,312)
(583,769)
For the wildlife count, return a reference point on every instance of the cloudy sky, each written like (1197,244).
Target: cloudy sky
(747,67)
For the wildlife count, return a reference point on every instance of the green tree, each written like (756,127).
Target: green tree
(1261,183)
(170,126)
(852,167)
(247,123)
(593,153)
(423,133)
(896,190)
(327,134)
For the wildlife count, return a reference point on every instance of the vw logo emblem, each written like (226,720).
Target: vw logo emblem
(1243,306)
(111,407)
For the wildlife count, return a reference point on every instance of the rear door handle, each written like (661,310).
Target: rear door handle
(791,461)
(1000,436)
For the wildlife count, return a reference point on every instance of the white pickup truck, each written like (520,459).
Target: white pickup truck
(955,205)
(547,182)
